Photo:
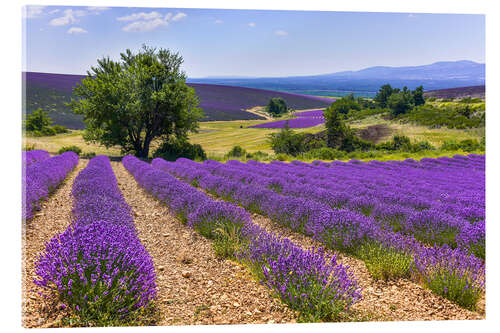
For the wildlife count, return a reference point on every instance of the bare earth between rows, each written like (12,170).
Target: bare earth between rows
(401,300)
(195,287)
(53,218)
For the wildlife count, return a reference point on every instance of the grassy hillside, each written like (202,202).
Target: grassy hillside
(219,103)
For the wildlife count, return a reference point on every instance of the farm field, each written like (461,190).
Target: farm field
(218,137)
(172,214)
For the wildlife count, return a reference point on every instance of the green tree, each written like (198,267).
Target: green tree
(401,102)
(418,96)
(383,95)
(38,120)
(346,104)
(136,100)
(336,130)
(276,106)
(287,141)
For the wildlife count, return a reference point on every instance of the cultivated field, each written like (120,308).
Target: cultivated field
(212,243)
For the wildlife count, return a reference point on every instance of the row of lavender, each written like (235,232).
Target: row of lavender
(98,266)
(303,120)
(448,213)
(449,272)
(41,176)
(308,281)
(32,156)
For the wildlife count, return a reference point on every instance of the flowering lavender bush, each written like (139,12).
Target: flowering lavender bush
(308,281)
(452,274)
(41,178)
(387,239)
(32,156)
(97,266)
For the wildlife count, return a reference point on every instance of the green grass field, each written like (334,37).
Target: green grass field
(218,137)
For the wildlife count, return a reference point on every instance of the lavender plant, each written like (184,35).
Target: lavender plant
(97,266)
(308,281)
(42,177)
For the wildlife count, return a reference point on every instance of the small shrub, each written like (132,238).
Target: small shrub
(282,157)
(236,151)
(258,156)
(77,150)
(88,155)
(173,149)
(29,147)
(58,129)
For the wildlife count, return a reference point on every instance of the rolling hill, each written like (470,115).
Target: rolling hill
(219,102)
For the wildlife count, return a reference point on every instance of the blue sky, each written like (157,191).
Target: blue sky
(215,42)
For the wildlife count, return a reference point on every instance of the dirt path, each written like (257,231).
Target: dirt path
(194,286)
(53,218)
(401,300)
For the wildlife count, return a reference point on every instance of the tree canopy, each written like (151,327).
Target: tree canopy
(133,101)
(276,106)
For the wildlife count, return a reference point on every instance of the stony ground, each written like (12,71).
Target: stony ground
(196,287)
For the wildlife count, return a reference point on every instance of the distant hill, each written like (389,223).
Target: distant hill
(366,82)
(219,102)
(462,92)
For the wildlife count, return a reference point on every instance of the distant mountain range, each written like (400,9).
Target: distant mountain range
(366,82)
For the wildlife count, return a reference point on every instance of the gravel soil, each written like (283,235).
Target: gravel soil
(401,300)
(53,218)
(194,286)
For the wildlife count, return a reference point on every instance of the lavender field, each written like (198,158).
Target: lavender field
(303,120)
(417,221)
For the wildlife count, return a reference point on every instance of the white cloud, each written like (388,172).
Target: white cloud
(411,15)
(179,16)
(251,25)
(141,26)
(76,30)
(218,22)
(33,11)
(54,11)
(281,33)
(69,17)
(149,21)
(140,16)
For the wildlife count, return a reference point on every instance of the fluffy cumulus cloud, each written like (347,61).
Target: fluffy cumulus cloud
(69,17)
(33,11)
(76,31)
(251,25)
(140,16)
(178,16)
(281,33)
(141,22)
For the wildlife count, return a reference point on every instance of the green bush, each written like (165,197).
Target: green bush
(29,147)
(282,157)
(465,145)
(88,155)
(288,142)
(236,151)
(402,143)
(258,156)
(324,153)
(58,129)
(173,149)
(75,149)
